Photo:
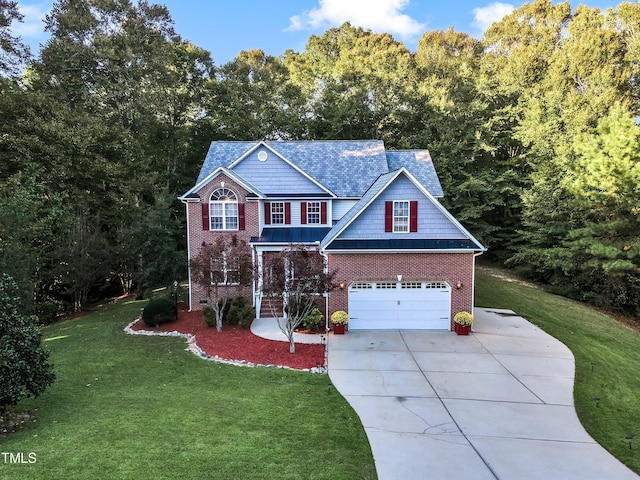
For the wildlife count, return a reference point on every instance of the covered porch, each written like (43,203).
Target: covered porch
(274,240)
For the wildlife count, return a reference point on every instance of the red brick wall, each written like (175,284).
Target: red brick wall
(448,267)
(198,236)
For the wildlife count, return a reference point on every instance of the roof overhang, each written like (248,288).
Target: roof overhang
(400,245)
(189,196)
(290,235)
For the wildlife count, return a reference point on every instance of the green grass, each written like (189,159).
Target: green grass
(140,407)
(607,354)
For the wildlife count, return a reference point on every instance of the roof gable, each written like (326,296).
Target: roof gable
(365,220)
(192,194)
(273,174)
(347,168)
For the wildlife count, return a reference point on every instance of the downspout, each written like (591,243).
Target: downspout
(188,254)
(326,294)
(473,284)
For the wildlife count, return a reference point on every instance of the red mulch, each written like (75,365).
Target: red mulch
(238,344)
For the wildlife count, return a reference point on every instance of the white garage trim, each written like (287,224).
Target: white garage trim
(392,305)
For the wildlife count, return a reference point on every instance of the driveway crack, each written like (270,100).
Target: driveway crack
(488,465)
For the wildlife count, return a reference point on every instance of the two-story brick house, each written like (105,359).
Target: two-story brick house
(402,260)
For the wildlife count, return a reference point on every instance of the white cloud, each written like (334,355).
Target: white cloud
(32,25)
(494,12)
(376,15)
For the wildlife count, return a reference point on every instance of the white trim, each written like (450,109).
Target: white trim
(225,218)
(235,177)
(283,158)
(278,203)
(393,216)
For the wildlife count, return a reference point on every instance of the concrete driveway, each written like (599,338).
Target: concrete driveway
(497,404)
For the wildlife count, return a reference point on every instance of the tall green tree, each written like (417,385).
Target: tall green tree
(252,97)
(354,82)
(605,181)
(130,94)
(24,366)
(451,116)
(12,51)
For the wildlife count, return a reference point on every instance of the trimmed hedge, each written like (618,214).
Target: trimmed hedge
(159,311)
(241,312)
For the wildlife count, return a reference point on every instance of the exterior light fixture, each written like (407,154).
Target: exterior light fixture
(342,285)
(175,293)
(459,284)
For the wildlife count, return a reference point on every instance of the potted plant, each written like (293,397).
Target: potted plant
(462,323)
(339,319)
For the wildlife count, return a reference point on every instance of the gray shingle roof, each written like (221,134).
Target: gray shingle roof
(346,167)
(420,165)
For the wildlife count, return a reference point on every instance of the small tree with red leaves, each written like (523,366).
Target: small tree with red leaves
(295,277)
(221,268)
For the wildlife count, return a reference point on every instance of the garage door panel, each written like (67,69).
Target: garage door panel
(401,305)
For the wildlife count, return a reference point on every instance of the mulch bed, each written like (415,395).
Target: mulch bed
(239,344)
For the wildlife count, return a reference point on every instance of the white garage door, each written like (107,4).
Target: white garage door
(399,305)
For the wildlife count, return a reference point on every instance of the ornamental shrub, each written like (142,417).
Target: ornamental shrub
(463,318)
(340,318)
(313,321)
(24,366)
(241,312)
(209,316)
(159,311)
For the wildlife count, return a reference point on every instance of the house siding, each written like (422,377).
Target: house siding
(340,208)
(274,175)
(432,223)
(198,236)
(448,267)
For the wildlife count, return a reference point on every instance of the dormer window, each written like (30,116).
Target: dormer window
(223,210)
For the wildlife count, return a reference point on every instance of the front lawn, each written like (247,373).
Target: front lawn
(607,354)
(128,407)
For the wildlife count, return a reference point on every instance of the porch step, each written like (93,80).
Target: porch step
(267,312)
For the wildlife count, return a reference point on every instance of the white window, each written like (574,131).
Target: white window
(223,210)
(313,212)
(277,213)
(223,272)
(400,216)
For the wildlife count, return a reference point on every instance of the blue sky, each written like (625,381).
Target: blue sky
(225,27)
